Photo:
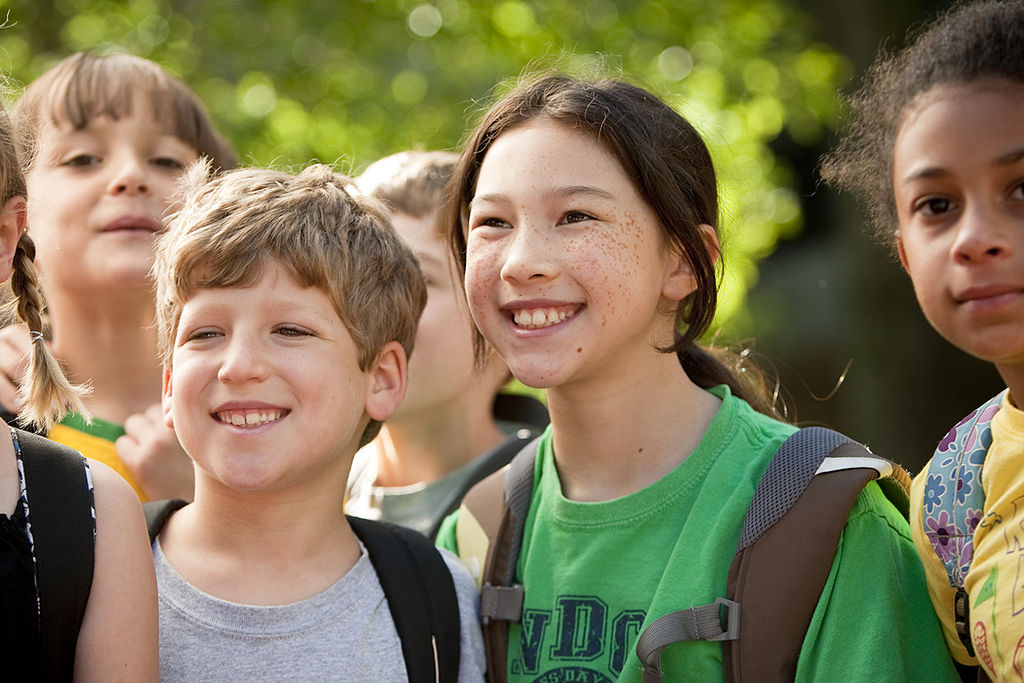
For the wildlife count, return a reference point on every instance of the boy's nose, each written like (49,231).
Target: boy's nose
(242,362)
(984,234)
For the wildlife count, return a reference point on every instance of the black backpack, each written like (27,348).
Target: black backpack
(782,561)
(416,581)
(64,539)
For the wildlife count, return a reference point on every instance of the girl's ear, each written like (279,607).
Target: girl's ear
(165,399)
(901,250)
(680,281)
(12,226)
(388,379)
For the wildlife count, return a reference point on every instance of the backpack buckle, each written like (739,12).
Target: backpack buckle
(504,603)
(731,630)
(962,616)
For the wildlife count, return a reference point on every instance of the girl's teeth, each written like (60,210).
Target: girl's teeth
(541,317)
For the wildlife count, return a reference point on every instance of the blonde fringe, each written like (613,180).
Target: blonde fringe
(46,393)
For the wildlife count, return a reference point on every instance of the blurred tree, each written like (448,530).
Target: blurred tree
(351,80)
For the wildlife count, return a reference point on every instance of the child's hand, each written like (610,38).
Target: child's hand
(15,355)
(150,449)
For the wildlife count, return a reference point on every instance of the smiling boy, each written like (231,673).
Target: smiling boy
(286,312)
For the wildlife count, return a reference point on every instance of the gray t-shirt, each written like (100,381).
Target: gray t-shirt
(416,506)
(344,633)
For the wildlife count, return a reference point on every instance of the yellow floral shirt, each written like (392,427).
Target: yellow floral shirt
(995,581)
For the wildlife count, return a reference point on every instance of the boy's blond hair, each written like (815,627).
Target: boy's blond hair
(410,182)
(83,86)
(233,225)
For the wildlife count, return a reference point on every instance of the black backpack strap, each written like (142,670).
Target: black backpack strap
(497,507)
(526,411)
(11,418)
(421,596)
(783,559)
(483,467)
(521,409)
(157,512)
(60,501)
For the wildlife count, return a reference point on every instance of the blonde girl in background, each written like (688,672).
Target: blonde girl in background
(107,138)
(107,631)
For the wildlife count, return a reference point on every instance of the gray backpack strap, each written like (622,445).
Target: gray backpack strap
(703,622)
(500,503)
(782,561)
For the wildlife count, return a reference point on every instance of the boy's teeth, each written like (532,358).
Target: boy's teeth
(249,418)
(540,317)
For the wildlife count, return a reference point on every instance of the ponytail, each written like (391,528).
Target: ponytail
(46,393)
(710,366)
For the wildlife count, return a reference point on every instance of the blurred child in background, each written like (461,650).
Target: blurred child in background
(454,427)
(107,138)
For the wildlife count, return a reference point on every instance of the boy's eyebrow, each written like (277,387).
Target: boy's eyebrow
(218,306)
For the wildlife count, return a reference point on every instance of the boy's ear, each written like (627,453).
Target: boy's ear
(388,379)
(680,281)
(165,398)
(12,226)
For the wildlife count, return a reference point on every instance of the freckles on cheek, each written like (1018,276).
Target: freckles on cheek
(481,275)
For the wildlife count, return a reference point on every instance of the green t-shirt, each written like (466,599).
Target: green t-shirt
(596,574)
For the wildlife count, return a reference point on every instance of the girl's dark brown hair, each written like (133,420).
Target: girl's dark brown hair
(83,86)
(672,170)
(969,43)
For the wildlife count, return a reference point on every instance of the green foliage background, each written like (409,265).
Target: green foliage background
(348,81)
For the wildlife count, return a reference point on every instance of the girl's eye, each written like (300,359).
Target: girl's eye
(1018,192)
(933,206)
(493,223)
(168,162)
(81,160)
(292,331)
(577,217)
